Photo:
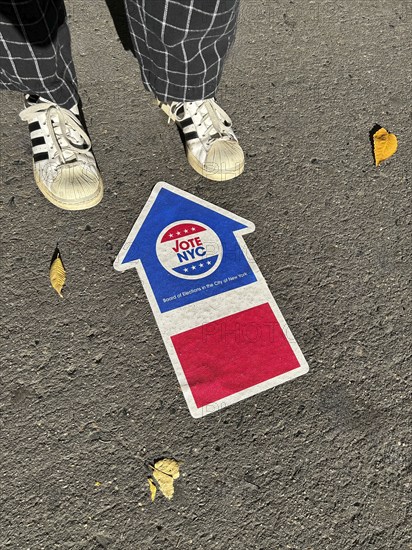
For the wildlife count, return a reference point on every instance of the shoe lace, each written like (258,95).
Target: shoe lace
(215,120)
(68,137)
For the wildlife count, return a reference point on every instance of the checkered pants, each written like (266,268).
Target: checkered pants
(180,45)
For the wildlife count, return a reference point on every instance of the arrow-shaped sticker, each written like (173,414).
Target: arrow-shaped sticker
(222,328)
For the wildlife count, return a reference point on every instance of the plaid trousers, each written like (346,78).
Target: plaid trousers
(180,46)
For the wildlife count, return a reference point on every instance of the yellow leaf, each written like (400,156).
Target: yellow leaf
(168,466)
(165,471)
(152,488)
(165,483)
(57,272)
(97,483)
(384,145)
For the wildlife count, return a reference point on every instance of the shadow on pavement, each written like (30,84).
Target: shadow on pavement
(118,13)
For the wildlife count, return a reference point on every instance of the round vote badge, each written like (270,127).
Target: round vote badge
(189,249)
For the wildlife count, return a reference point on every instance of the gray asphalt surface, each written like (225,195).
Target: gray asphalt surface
(88,393)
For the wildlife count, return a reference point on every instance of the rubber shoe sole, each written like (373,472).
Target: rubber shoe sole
(213,174)
(82,204)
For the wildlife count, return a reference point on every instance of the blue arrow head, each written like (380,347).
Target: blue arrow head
(168,204)
(186,249)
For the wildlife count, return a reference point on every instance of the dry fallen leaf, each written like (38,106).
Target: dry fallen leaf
(168,466)
(384,145)
(57,272)
(152,488)
(165,471)
(165,483)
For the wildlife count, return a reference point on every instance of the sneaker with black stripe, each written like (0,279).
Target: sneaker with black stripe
(64,166)
(212,148)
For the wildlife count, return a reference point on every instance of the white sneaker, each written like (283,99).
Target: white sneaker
(64,166)
(211,146)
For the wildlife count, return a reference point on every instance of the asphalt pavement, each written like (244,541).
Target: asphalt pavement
(88,394)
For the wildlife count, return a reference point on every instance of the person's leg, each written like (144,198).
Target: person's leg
(35,59)
(35,54)
(181,46)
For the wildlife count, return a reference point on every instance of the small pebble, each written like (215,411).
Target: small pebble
(103,541)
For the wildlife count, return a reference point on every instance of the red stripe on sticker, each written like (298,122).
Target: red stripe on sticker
(234,353)
(181,231)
